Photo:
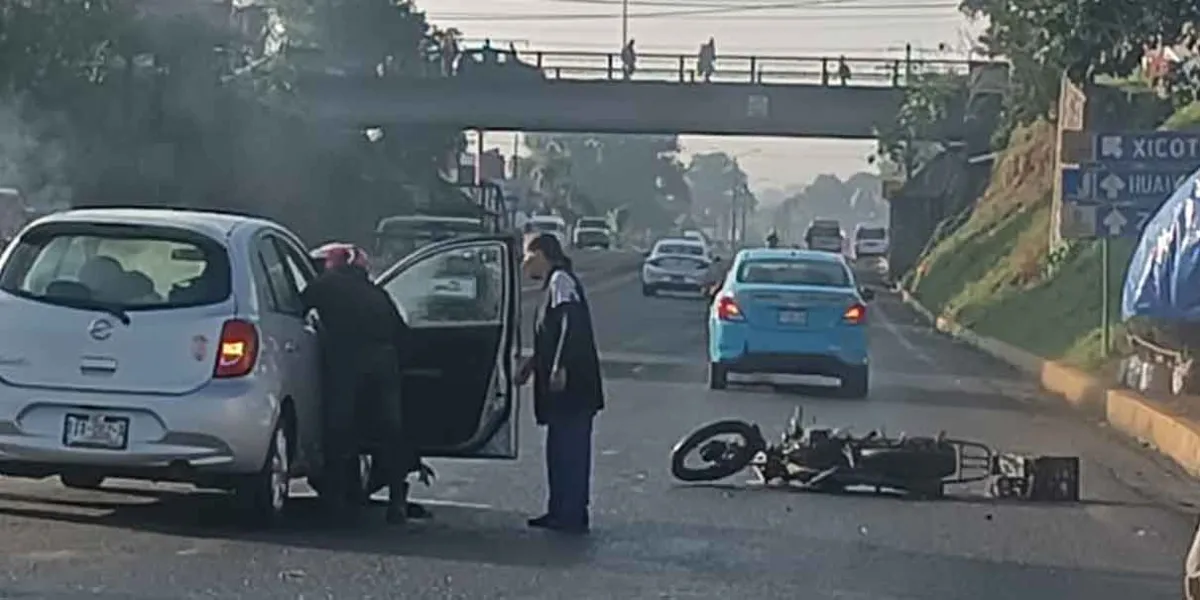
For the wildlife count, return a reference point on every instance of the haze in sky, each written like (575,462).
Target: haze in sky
(812,28)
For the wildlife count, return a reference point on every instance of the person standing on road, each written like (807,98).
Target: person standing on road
(567,386)
(362,336)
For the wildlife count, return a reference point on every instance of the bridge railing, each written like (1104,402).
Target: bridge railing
(819,70)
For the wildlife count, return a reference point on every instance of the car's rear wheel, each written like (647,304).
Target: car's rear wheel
(718,376)
(855,383)
(264,496)
(82,481)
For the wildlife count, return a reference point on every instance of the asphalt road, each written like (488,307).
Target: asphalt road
(653,538)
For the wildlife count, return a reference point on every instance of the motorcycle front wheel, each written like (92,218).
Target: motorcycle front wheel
(723,458)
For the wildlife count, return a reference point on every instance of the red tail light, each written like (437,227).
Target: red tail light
(855,314)
(238,349)
(728,309)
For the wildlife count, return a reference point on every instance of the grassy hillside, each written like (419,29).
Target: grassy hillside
(997,276)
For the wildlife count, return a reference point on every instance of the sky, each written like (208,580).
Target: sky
(815,28)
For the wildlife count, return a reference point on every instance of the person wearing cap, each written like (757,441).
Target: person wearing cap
(362,340)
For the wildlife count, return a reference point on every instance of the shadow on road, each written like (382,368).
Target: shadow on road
(460,533)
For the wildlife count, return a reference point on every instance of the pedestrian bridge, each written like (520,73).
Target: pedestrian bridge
(533,90)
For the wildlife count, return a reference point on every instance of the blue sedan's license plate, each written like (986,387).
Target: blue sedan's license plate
(793,317)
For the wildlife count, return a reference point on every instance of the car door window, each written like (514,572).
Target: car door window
(283,292)
(463,285)
(298,269)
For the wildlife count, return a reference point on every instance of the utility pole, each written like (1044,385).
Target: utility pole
(624,23)
(733,213)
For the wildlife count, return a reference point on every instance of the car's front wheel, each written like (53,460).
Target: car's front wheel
(264,495)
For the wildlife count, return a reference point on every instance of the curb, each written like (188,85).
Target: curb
(1143,419)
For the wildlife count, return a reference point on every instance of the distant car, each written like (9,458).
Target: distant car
(592,232)
(676,264)
(552,224)
(398,236)
(870,241)
(825,235)
(790,311)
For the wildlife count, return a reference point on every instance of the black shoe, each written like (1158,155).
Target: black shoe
(545,521)
(417,511)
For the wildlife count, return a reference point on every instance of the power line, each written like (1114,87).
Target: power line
(816,6)
(531,17)
(725,11)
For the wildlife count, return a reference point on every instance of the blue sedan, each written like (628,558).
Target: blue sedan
(790,312)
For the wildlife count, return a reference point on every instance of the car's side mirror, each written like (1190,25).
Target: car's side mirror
(867,293)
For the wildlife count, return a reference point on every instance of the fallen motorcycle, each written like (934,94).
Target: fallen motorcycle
(831,461)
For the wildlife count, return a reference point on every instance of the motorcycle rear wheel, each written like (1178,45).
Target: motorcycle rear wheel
(736,460)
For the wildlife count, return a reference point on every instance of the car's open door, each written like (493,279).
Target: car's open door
(461,299)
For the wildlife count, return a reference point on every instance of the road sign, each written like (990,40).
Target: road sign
(1147,147)
(1122,184)
(1104,220)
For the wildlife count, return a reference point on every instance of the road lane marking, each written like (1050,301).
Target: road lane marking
(905,342)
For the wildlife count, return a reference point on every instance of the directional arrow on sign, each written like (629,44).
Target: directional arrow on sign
(1115,222)
(1112,186)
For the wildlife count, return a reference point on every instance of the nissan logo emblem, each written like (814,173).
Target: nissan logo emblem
(100,329)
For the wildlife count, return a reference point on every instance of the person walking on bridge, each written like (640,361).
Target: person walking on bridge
(628,60)
(706,62)
(843,71)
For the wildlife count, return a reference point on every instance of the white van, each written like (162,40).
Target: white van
(549,224)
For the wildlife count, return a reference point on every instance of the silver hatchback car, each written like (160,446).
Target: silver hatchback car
(172,345)
(160,345)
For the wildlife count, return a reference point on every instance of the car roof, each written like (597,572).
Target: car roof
(680,240)
(216,225)
(798,254)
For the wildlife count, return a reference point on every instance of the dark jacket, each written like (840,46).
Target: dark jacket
(584,392)
(356,315)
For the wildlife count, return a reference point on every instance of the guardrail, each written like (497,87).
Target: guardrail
(679,68)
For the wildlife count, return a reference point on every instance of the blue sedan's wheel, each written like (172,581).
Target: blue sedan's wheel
(855,383)
(718,376)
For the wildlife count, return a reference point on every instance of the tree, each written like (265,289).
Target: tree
(638,177)
(189,104)
(714,178)
(1082,38)
(928,104)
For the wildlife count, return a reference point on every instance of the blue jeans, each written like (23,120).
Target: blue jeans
(569,466)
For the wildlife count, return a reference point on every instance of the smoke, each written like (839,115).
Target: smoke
(31,160)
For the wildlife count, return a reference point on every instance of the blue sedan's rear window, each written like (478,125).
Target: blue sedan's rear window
(794,272)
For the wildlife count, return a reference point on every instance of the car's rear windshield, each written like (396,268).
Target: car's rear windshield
(592,224)
(686,249)
(794,272)
(120,266)
(825,230)
(592,235)
(872,233)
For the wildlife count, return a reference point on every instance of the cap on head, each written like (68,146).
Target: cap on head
(340,254)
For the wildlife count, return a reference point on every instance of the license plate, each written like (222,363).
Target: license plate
(95,431)
(793,317)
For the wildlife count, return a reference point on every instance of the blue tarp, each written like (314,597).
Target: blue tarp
(1163,279)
